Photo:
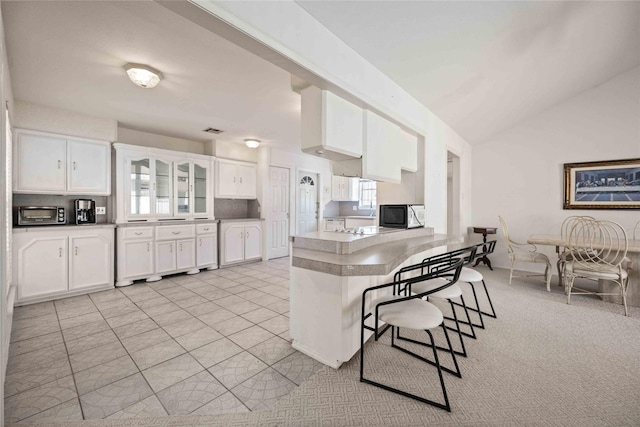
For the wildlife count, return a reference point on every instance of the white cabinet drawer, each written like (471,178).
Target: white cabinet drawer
(137,233)
(206,228)
(174,232)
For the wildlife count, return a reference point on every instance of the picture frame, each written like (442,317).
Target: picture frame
(612,184)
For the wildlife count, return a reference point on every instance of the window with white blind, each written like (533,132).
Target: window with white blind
(367,198)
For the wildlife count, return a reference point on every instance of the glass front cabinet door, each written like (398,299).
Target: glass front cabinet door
(162,186)
(138,191)
(193,188)
(202,191)
(183,188)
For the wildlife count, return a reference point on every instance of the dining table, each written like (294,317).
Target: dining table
(633,253)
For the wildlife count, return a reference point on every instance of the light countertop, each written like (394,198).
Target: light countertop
(167,222)
(27,228)
(376,260)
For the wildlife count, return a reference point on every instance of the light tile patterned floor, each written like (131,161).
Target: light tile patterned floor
(214,342)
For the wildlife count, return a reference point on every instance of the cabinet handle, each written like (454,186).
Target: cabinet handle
(206,229)
(175,232)
(74,165)
(60,252)
(234,179)
(247,234)
(59,164)
(191,187)
(241,235)
(180,247)
(76,250)
(154,186)
(138,233)
(148,247)
(200,241)
(240,180)
(171,248)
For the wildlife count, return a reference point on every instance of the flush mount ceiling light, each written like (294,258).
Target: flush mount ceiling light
(143,75)
(252,143)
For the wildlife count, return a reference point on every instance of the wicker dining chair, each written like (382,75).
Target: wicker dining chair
(524,252)
(599,252)
(565,255)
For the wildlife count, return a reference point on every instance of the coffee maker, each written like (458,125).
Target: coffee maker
(85,211)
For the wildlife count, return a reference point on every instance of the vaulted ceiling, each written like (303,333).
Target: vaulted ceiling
(480,66)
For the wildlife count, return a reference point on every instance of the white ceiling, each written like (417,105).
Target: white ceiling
(484,66)
(70,55)
(480,66)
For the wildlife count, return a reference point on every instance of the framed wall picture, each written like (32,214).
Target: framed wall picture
(613,184)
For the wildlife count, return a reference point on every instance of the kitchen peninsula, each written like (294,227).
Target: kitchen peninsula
(329,272)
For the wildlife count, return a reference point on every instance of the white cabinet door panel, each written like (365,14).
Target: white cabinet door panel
(233,243)
(185,254)
(41,163)
(42,266)
(207,250)
(226,182)
(247,181)
(89,167)
(165,256)
(137,258)
(89,261)
(252,241)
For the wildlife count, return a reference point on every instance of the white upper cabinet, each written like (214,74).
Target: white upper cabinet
(162,184)
(89,166)
(47,163)
(408,149)
(344,189)
(381,157)
(235,180)
(331,126)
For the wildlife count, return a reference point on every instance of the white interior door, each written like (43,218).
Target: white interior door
(307,202)
(279,215)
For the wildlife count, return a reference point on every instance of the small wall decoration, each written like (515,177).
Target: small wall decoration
(613,184)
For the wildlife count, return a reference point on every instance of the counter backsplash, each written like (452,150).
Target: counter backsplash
(233,208)
(64,201)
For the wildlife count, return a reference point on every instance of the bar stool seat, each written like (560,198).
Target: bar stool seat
(413,314)
(470,275)
(448,294)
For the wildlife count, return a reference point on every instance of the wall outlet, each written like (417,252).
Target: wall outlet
(101,210)
(355,208)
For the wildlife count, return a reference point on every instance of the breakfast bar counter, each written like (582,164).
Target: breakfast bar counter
(329,272)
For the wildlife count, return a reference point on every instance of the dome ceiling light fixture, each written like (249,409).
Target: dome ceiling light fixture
(252,143)
(143,75)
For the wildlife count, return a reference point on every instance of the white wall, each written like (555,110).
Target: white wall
(292,39)
(6,311)
(64,122)
(519,173)
(148,139)
(233,151)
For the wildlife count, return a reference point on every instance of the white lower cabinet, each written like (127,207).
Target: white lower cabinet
(55,263)
(87,267)
(150,252)
(175,255)
(207,246)
(240,241)
(135,258)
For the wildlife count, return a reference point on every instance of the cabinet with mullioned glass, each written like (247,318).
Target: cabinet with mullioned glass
(154,184)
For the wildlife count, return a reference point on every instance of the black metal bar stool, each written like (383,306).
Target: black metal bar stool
(401,308)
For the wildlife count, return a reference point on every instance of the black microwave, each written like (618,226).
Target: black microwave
(402,216)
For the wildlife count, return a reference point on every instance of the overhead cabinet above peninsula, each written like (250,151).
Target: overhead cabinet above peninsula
(48,163)
(154,184)
(359,142)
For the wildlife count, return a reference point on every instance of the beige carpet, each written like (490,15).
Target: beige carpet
(542,362)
